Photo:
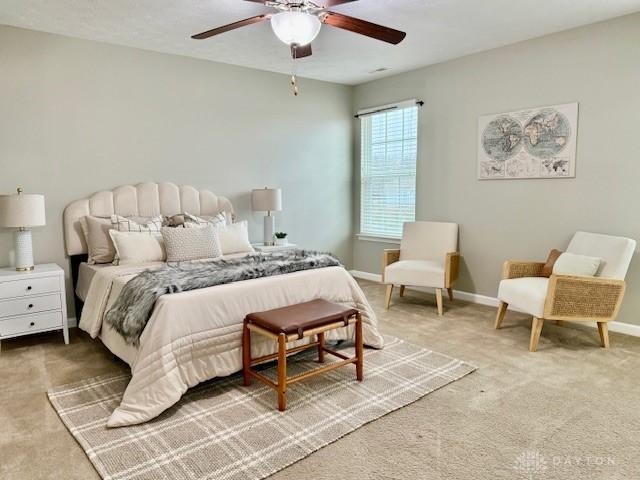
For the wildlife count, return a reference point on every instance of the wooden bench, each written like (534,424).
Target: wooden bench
(292,323)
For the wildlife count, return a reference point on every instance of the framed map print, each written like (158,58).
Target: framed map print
(531,143)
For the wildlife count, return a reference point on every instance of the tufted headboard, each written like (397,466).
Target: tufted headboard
(144,200)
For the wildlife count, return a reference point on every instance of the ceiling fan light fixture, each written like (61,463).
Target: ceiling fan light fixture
(293,27)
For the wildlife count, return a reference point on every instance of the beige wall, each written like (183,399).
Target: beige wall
(597,66)
(79,116)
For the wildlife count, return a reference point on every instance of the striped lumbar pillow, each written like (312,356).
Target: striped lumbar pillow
(193,221)
(136,224)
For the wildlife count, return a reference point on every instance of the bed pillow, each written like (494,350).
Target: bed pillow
(194,221)
(185,244)
(137,224)
(100,248)
(547,270)
(174,221)
(573,264)
(234,238)
(228,216)
(137,247)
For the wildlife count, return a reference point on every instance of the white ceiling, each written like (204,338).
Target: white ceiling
(437,30)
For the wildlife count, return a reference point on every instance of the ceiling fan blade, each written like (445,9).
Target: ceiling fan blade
(327,3)
(363,27)
(231,26)
(300,51)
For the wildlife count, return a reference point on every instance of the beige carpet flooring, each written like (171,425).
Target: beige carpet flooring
(569,411)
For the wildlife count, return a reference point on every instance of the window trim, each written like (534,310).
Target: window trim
(413,102)
(367,237)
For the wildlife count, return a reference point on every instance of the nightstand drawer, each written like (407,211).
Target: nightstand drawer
(34,286)
(30,323)
(31,304)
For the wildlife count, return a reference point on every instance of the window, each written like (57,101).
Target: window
(389,144)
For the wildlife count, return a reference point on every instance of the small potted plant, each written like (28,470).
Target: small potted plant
(281,239)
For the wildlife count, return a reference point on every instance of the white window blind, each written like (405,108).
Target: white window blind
(389,144)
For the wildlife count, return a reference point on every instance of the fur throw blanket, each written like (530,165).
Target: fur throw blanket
(132,309)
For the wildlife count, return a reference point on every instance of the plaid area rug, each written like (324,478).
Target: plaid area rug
(223,430)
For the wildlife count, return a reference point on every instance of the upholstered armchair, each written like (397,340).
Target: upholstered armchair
(428,257)
(569,297)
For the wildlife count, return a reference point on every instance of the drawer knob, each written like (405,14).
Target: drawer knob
(30,305)
(29,287)
(32,324)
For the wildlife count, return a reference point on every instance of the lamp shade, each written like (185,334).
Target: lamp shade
(22,210)
(266,199)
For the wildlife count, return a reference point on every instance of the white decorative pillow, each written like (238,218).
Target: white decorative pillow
(573,264)
(137,247)
(228,216)
(193,221)
(100,248)
(184,244)
(137,224)
(234,238)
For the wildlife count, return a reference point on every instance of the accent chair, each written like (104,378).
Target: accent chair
(569,297)
(428,257)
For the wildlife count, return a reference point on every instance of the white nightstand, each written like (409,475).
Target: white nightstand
(32,302)
(261,247)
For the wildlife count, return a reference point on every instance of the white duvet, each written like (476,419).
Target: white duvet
(196,335)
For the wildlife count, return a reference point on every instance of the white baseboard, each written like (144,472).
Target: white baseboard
(72,322)
(618,327)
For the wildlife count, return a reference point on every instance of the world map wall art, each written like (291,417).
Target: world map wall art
(531,143)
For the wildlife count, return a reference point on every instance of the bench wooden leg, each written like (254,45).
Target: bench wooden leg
(359,348)
(246,353)
(282,372)
(321,347)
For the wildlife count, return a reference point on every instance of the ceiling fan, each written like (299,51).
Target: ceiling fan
(297,23)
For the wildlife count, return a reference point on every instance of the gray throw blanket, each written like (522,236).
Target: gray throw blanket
(132,309)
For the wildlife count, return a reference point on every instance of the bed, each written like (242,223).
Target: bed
(191,336)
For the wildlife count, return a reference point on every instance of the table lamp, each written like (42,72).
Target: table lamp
(22,211)
(267,200)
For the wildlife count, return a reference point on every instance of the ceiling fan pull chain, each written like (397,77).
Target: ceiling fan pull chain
(294,79)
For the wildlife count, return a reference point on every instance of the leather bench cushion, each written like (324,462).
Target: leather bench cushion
(300,317)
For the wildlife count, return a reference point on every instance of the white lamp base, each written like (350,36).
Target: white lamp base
(269,227)
(24,250)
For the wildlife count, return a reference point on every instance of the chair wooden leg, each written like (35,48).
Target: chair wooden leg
(246,353)
(502,309)
(536,330)
(439,300)
(387,298)
(402,290)
(603,330)
(359,348)
(321,347)
(282,372)
(450,292)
